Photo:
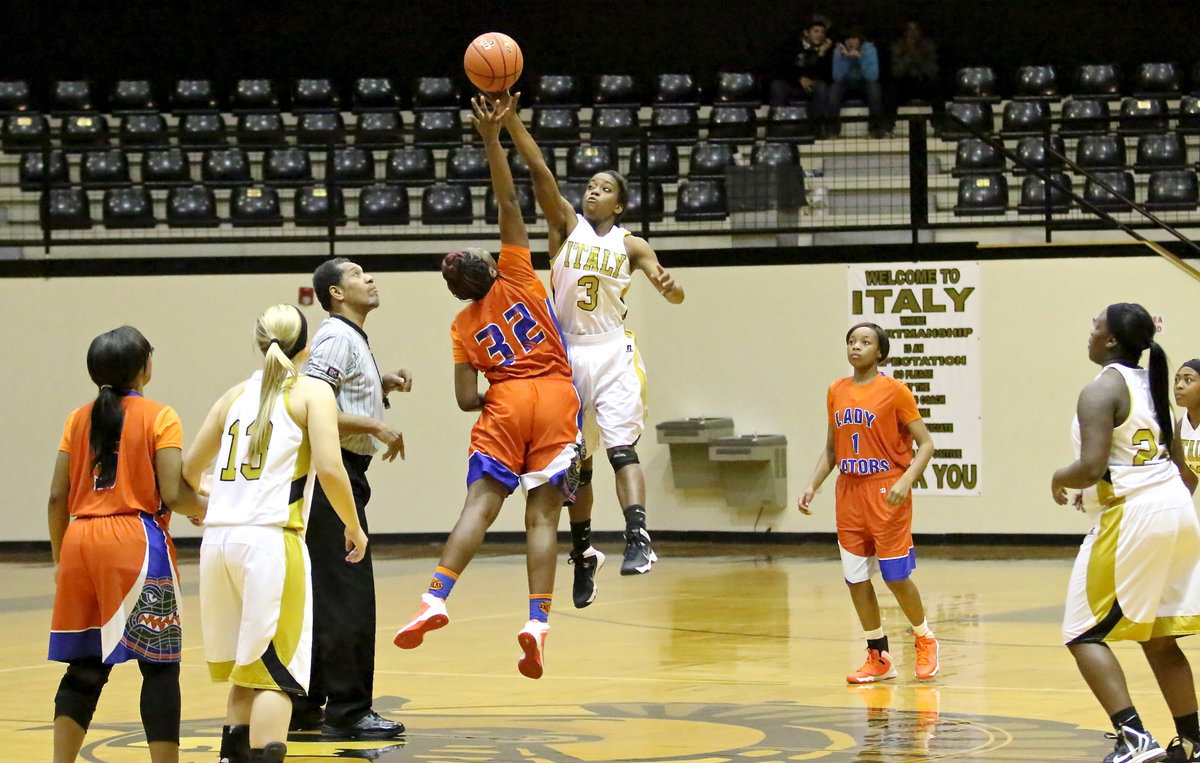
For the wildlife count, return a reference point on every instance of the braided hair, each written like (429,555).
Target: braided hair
(467,275)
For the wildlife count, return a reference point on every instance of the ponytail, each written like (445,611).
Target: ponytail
(114,361)
(1133,328)
(108,419)
(1160,392)
(278,327)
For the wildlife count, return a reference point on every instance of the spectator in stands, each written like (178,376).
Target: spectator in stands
(915,70)
(856,71)
(808,72)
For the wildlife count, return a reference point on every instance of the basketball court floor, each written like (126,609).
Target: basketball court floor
(721,654)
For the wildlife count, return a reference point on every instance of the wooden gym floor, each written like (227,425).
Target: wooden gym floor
(722,653)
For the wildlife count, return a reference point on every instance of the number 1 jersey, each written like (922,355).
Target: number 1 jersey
(870,425)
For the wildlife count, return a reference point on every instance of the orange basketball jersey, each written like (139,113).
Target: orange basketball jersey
(511,333)
(870,425)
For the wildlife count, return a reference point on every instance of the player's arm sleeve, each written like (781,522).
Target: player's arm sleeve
(64,444)
(331,359)
(906,406)
(456,346)
(168,430)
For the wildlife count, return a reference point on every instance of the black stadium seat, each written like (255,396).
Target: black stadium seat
(40,170)
(194,96)
(587,159)
(1032,152)
(192,207)
(254,96)
(445,204)
(1161,152)
(128,208)
(677,89)
(738,89)
(1084,117)
(104,169)
(383,204)
(66,209)
(287,167)
(15,97)
(435,93)
(25,131)
(467,164)
(732,123)
(255,207)
(975,114)
(71,97)
(615,90)
(982,195)
(556,125)
(973,156)
(319,205)
(1163,80)
(350,166)
(320,128)
(1097,81)
(650,210)
(85,130)
(379,128)
(1172,190)
(709,160)
(318,94)
(132,96)
(166,167)
(144,130)
(1100,152)
(790,123)
(557,90)
(1034,192)
(410,166)
(375,94)
(525,201)
(261,129)
(1140,116)
(225,168)
(699,200)
(675,124)
(1101,198)
(975,83)
(202,131)
(520,169)
(614,123)
(1037,83)
(662,162)
(1023,118)
(437,128)
(775,154)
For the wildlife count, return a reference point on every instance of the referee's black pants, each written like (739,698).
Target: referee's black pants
(343,660)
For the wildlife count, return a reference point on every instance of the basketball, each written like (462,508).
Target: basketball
(493,62)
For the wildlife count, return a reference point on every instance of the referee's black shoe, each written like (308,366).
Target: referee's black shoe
(370,726)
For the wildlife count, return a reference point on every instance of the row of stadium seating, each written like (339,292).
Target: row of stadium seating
(1077,117)
(1167,190)
(1093,152)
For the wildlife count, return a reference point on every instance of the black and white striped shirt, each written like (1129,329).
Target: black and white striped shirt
(340,356)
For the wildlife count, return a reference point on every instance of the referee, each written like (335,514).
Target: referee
(343,664)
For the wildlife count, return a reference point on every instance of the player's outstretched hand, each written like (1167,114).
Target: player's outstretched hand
(506,100)
(806,500)
(356,544)
(487,116)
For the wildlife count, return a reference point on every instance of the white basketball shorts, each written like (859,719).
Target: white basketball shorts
(608,374)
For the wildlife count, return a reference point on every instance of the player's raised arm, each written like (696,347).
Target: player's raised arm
(643,257)
(560,215)
(487,119)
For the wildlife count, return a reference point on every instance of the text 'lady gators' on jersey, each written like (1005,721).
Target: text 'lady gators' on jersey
(866,442)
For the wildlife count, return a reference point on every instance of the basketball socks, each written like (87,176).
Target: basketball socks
(876,640)
(539,607)
(635,516)
(922,630)
(442,583)
(1129,718)
(1188,727)
(581,535)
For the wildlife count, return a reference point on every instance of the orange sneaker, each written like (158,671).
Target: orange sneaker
(878,667)
(927,657)
(431,616)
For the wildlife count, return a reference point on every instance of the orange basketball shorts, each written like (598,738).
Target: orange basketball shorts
(873,536)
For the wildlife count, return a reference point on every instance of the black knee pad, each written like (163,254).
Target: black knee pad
(621,457)
(160,703)
(79,690)
(585,477)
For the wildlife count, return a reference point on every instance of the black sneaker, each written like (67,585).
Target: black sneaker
(1134,746)
(1183,750)
(370,726)
(274,752)
(639,557)
(308,719)
(587,564)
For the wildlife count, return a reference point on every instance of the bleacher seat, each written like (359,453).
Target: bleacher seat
(1172,191)
(1101,198)
(1161,152)
(1034,192)
(738,89)
(614,123)
(25,131)
(698,200)
(1032,152)
(732,123)
(260,129)
(573,192)
(557,90)
(556,125)
(350,166)
(379,128)
(615,90)
(976,114)
(287,167)
(15,97)
(650,210)
(1087,116)
(40,170)
(676,89)
(383,204)
(1023,118)
(435,93)
(1100,152)
(468,164)
(1142,115)
(255,207)
(410,166)
(982,195)
(192,207)
(85,131)
(1189,115)
(104,169)
(166,167)
(790,123)
(254,96)
(128,208)
(202,131)
(662,162)
(1161,80)
(437,128)
(65,209)
(225,168)
(709,160)
(1036,83)
(1097,81)
(374,94)
(318,94)
(445,204)
(975,84)
(674,124)
(71,97)
(973,156)
(520,170)
(144,130)
(132,96)
(525,201)
(320,128)
(775,154)
(189,96)
(586,159)
(319,205)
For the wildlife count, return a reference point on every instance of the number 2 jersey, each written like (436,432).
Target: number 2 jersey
(590,275)
(511,333)
(271,490)
(870,425)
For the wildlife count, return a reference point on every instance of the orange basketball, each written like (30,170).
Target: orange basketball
(493,62)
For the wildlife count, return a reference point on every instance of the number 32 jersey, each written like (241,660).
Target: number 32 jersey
(512,332)
(590,275)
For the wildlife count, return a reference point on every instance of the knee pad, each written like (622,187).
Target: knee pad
(621,457)
(585,477)
(160,703)
(79,691)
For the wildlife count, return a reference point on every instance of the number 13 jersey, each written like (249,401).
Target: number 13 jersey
(590,275)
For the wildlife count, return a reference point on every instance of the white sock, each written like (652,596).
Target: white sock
(877,633)
(922,630)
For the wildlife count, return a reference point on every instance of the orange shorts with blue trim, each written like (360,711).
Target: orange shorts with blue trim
(874,536)
(526,434)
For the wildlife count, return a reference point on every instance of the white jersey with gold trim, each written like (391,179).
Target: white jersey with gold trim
(1138,460)
(1189,439)
(590,275)
(274,490)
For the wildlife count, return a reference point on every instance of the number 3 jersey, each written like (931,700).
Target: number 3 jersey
(870,425)
(590,275)
(1137,459)
(270,490)
(512,332)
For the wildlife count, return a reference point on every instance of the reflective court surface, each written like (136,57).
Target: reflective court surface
(720,654)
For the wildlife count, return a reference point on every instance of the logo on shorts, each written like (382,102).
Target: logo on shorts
(629,348)
(435,585)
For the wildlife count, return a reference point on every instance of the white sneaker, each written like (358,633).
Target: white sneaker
(532,639)
(1134,746)
(431,616)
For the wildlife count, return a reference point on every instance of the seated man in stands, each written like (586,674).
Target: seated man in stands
(915,70)
(808,72)
(856,71)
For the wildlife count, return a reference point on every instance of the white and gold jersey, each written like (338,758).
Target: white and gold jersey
(590,275)
(1138,459)
(1189,439)
(271,490)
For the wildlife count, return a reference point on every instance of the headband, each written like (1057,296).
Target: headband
(1193,364)
(301,338)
